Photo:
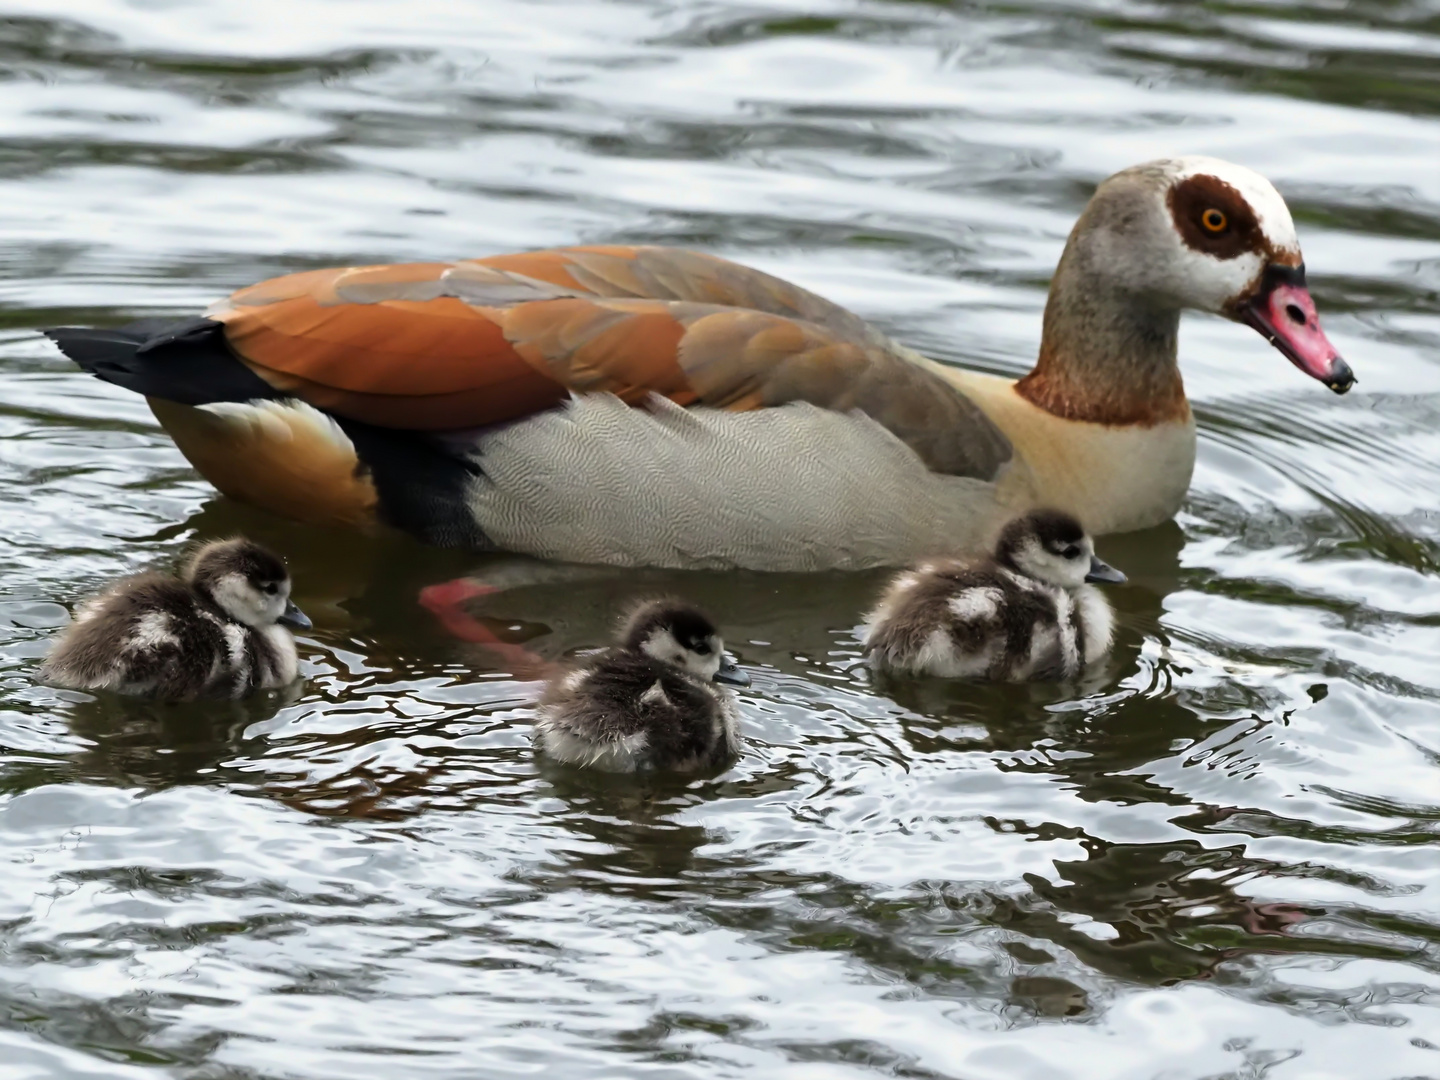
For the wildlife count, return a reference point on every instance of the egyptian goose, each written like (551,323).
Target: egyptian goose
(220,629)
(1027,612)
(651,703)
(653,406)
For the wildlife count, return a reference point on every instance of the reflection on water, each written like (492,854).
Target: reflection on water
(1209,858)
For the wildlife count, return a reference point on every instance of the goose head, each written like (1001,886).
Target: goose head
(1210,235)
(1051,546)
(676,633)
(247,582)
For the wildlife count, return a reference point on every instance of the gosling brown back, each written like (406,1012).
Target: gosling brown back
(637,707)
(1025,612)
(175,640)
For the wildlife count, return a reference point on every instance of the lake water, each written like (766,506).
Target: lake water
(1214,858)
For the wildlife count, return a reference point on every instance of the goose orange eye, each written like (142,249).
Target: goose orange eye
(1214,220)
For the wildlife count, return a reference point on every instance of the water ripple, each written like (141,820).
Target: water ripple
(1205,859)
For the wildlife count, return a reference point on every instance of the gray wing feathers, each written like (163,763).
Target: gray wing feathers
(842,362)
(794,487)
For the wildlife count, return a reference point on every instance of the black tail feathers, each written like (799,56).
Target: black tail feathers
(186,361)
(422,486)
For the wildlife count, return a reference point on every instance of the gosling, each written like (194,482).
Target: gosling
(650,703)
(219,630)
(1026,612)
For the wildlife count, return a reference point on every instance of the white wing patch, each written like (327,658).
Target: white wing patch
(890,602)
(88,609)
(1029,584)
(234,645)
(977,604)
(152,630)
(572,747)
(942,656)
(1065,642)
(1044,645)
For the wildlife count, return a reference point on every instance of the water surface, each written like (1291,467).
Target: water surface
(1213,858)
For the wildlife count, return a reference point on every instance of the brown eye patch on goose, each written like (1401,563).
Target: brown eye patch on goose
(1214,218)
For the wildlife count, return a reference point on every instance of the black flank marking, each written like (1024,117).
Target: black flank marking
(421,485)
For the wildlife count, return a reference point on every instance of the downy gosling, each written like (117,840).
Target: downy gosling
(218,630)
(651,702)
(1026,612)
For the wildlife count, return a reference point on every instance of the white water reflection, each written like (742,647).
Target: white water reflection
(1207,861)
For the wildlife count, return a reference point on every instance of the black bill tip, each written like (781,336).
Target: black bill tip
(292,616)
(731,673)
(1341,377)
(1104,574)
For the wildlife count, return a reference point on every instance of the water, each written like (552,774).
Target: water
(1215,858)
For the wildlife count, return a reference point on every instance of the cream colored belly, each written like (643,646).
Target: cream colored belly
(798,487)
(1114,479)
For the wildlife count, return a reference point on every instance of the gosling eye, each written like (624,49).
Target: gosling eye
(272,588)
(1071,552)
(701,648)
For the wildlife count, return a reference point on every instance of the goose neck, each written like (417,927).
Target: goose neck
(1108,353)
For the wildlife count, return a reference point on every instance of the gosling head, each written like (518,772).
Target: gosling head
(1198,232)
(1051,546)
(247,582)
(676,633)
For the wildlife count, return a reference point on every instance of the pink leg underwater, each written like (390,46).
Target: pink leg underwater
(446,602)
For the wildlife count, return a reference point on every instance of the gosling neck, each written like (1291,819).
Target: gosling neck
(1107,355)
(207,597)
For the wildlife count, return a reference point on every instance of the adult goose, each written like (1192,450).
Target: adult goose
(653,406)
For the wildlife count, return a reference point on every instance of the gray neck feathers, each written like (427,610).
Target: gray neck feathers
(1108,354)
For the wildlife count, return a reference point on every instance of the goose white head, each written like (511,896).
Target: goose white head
(247,582)
(676,633)
(1198,232)
(1052,547)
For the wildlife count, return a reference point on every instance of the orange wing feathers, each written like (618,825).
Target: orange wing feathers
(629,348)
(384,345)
(442,345)
(396,347)
(437,346)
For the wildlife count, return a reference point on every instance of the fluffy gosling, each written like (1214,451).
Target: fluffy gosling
(1026,612)
(651,702)
(219,629)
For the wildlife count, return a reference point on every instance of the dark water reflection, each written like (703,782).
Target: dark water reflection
(1212,858)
